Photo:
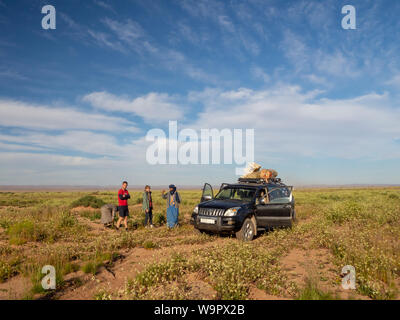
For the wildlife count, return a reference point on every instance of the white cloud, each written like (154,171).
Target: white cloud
(306,59)
(259,73)
(104,5)
(47,168)
(69,21)
(336,64)
(11,74)
(394,81)
(153,107)
(17,147)
(316,79)
(226,23)
(205,9)
(289,121)
(23,115)
(82,141)
(131,33)
(103,40)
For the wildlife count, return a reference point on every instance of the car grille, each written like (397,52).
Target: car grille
(211,212)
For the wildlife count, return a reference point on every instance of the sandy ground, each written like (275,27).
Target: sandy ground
(298,264)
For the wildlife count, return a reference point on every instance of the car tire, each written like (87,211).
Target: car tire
(247,231)
(293,220)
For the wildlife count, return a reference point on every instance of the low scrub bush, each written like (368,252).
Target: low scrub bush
(92,267)
(88,201)
(159,219)
(312,292)
(25,231)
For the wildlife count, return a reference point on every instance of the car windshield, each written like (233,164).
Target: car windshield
(232,193)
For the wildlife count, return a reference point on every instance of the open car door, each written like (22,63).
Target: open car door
(222,186)
(208,193)
(277,208)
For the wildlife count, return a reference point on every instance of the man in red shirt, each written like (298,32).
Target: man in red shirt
(123,196)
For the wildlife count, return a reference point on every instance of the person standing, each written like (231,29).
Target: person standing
(173,201)
(148,206)
(123,196)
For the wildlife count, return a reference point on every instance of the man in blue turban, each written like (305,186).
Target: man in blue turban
(173,201)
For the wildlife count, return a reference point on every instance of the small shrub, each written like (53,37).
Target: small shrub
(90,214)
(5,271)
(25,231)
(70,267)
(148,244)
(88,201)
(159,219)
(312,292)
(5,224)
(344,212)
(66,220)
(102,295)
(91,267)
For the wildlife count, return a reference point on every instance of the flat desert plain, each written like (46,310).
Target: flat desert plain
(335,227)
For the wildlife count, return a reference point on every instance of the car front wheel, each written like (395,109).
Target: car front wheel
(247,232)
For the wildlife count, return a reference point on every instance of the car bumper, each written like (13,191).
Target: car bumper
(215,224)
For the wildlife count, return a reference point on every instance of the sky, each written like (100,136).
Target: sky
(77,102)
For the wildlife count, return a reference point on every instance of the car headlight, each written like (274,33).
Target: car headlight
(196,209)
(231,212)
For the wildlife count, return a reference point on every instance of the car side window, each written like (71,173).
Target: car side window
(280,195)
(263,194)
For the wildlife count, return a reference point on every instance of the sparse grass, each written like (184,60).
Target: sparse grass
(312,292)
(90,214)
(7,270)
(88,201)
(159,219)
(91,267)
(148,244)
(359,227)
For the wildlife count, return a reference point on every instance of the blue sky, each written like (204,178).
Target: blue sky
(76,102)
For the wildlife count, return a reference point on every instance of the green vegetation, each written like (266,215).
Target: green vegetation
(91,267)
(88,201)
(358,227)
(312,292)
(90,214)
(159,219)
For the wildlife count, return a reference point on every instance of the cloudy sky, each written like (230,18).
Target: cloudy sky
(77,102)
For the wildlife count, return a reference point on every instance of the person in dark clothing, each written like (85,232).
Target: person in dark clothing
(123,196)
(148,206)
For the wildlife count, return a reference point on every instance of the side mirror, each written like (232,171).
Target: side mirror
(263,201)
(207,198)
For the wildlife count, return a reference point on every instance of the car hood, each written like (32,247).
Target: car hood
(221,204)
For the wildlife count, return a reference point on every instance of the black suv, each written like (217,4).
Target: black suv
(244,208)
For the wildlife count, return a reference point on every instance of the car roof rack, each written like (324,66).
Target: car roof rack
(252,180)
(259,180)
